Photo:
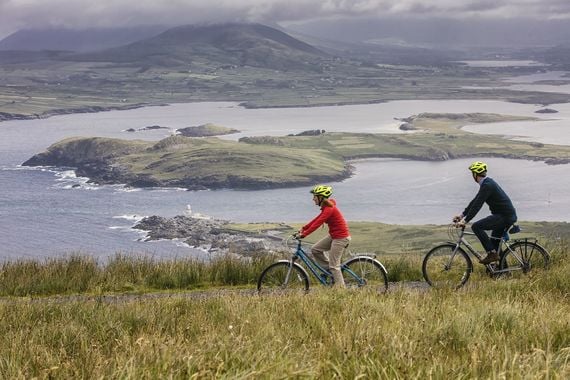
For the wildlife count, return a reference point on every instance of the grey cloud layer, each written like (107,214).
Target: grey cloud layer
(17,14)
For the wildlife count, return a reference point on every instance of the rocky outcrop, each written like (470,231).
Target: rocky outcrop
(262,140)
(205,130)
(311,132)
(407,127)
(557,161)
(149,128)
(209,234)
(4,116)
(546,110)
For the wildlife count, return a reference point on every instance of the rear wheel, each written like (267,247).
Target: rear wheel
(446,266)
(365,272)
(523,256)
(282,277)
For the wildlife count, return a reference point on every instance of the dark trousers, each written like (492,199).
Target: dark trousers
(497,224)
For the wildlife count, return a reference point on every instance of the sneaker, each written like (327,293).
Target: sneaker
(491,257)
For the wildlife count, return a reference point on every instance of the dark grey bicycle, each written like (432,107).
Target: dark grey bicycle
(449,265)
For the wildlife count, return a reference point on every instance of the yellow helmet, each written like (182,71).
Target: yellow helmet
(478,167)
(322,190)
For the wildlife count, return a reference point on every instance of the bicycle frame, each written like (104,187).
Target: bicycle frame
(491,267)
(320,273)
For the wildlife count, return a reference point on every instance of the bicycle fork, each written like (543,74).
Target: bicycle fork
(447,265)
(288,275)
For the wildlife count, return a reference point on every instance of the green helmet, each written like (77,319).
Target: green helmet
(322,190)
(478,167)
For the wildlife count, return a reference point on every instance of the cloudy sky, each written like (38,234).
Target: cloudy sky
(21,14)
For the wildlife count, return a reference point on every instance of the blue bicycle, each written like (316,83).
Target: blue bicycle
(289,275)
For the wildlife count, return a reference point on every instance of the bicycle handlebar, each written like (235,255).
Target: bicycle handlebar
(294,236)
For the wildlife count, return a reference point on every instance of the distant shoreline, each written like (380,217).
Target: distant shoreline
(210,163)
(7,116)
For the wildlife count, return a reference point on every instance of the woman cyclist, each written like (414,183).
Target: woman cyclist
(338,238)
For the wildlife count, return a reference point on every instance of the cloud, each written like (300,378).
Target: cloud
(19,14)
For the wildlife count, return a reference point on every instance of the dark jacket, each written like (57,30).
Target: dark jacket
(492,194)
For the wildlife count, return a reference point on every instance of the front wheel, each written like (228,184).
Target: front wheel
(447,266)
(522,256)
(283,277)
(363,271)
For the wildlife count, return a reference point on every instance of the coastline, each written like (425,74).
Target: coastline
(6,116)
(255,104)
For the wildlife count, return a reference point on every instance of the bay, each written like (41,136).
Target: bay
(46,213)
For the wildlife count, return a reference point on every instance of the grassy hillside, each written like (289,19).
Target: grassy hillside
(270,162)
(250,64)
(491,328)
(193,163)
(253,45)
(400,248)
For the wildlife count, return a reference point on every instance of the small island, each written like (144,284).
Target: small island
(206,130)
(546,110)
(148,128)
(277,162)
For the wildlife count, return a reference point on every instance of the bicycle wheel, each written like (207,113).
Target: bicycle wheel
(522,256)
(362,271)
(281,277)
(447,267)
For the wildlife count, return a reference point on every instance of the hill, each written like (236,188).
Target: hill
(559,54)
(253,45)
(76,40)
(278,162)
(196,164)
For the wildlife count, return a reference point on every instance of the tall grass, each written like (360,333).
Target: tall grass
(122,273)
(493,329)
(83,274)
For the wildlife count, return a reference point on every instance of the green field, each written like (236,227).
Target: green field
(493,328)
(49,87)
(400,248)
(133,317)
(270,162)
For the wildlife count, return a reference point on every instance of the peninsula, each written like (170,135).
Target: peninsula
(277,162)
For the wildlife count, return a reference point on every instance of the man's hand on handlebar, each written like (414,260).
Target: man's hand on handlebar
(459,221)
(298,235)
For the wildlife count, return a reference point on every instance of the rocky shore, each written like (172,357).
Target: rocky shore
(211,235)
(5,116)
(206,130)
(271,162)
(188,163)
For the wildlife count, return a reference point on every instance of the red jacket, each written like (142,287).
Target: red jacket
(331,215)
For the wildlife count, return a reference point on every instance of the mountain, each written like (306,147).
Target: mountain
(442,32)
(27,56)
(253,45)
(76,40)
(559,54)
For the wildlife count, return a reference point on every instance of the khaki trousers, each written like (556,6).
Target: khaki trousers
(335,249)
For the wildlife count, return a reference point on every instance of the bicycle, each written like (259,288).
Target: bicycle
(449,265)
(289,276)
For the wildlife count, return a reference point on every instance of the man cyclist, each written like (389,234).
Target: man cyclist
(337,239)
(503,213)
